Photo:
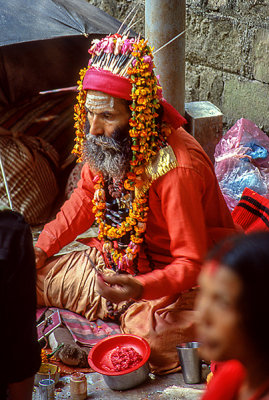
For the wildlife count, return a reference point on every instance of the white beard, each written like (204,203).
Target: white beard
(106,155)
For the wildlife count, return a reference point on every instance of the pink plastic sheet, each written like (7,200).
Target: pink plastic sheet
(242,160)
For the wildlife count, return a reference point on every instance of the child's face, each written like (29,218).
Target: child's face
(219,321)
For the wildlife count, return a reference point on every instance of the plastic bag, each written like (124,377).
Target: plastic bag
(242,160)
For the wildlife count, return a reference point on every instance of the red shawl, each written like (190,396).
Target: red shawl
(227,381)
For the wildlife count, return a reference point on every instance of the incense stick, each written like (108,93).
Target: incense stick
(5,183)
(170,41)
(128,27)
(125,19)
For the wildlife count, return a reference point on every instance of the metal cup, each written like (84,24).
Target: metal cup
(190,361)
(47,389)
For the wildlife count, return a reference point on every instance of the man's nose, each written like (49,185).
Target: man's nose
(96,126)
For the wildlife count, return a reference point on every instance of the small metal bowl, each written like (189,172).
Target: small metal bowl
(99,361)
(127,381)
(47,370)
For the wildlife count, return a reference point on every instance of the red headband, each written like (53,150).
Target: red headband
(106,82)
(118,86)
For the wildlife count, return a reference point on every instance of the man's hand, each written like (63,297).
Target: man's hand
(40,257)
(117,288)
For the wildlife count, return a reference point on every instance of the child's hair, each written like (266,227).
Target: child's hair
(248,257)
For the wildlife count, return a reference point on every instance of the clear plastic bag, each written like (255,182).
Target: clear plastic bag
(242,160)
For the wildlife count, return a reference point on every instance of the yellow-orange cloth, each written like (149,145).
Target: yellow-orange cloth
(68,282)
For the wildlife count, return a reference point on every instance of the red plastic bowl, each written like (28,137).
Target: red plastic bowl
(99,356)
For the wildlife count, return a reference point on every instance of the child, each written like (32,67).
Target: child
(233,317)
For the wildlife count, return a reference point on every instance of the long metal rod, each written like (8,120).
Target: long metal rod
(5,183)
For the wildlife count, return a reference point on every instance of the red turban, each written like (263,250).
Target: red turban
(118,86)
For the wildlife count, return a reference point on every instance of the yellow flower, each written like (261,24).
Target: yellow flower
(145,143)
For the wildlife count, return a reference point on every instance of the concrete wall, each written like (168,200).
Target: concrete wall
(227,54)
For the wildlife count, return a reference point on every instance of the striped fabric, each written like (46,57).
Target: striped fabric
(84,332)
(28,164)
(73,179)
(36,137)
(48,116)
(252,211)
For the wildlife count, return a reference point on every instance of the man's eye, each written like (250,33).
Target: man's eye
(108,116)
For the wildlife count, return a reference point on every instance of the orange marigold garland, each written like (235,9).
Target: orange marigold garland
(80,116)
(146,141)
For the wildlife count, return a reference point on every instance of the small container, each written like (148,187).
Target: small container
(78,386)
(47,371)
(47,389)
(190,362)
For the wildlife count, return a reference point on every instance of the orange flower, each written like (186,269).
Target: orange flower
(145,142)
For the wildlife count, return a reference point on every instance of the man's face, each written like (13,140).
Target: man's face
(105,113)
(108,145)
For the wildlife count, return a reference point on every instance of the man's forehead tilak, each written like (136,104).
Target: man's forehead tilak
(99,101)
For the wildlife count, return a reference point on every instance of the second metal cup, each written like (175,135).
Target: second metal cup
(190,361)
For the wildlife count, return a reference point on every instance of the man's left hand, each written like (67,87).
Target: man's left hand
(117,288)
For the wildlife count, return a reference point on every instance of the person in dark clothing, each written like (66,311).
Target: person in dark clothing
(20,350)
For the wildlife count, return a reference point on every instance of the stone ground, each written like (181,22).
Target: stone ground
(168,387)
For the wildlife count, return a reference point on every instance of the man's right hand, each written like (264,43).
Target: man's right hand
(40,257)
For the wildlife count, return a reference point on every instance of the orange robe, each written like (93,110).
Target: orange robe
(187,215)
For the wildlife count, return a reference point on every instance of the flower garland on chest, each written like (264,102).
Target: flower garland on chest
(134,223)
(146,141)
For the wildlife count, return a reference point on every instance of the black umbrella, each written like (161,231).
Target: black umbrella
(44,44)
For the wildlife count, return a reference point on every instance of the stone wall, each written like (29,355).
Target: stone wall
(120,8)
(227,57)
(227,54)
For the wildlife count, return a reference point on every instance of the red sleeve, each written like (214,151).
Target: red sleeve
(180,194)
(74,217)
(226,382)
(187,215)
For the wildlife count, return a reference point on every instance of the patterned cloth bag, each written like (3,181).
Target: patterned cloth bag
(30,166)
(73,179)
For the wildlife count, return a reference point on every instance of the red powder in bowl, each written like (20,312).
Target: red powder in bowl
(124,358)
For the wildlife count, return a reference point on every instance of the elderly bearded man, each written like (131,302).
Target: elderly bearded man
(153,192)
